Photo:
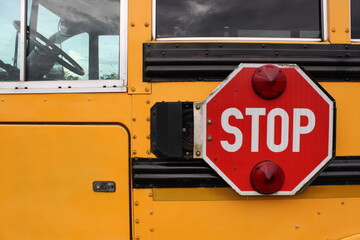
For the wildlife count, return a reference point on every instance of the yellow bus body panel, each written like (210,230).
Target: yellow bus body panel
(329,212)
(339,21)
(47,175)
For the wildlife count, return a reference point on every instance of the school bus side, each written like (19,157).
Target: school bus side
(55,148)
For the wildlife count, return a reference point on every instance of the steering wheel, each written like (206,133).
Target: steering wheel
(51,49)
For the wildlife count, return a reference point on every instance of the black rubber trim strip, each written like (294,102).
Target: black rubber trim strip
(181,62)
(187,173)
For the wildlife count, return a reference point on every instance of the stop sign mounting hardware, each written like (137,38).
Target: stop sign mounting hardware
(266,129)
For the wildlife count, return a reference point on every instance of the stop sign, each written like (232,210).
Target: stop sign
(268,129)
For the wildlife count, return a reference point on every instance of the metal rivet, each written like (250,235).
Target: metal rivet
(148,137)
(333,30)
(147,89)
(296,226)
(133,89)
(151,212)
(209,138)
(150,194)
(134,119)
(148,119)
(134,152)
(132,24)
(147,101)
(198,153)
(347,30)
(148,152)
(152,229)
(342,202)
(137,221)
(134,137)
(197,106)
(318,213)
(209,121)
(136,203)
(146,24)
(89,99)
(137,238)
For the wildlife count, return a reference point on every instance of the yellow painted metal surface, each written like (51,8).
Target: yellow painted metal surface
(139,32)
(177,214)
(46,178)
(339,21)
(347,97)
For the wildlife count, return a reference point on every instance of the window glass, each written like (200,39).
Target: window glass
(109,57)
(355,19)
(238,18)
(64,41)
(9,40)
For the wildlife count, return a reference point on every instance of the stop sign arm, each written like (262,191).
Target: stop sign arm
(198,129)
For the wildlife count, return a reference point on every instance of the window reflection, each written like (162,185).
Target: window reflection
(109,57)
(9,40)
(238,18)
(64,39)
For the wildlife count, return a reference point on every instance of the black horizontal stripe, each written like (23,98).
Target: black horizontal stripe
(168,62)
(175,173)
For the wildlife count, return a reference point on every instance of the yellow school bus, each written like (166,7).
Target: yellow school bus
(82,85)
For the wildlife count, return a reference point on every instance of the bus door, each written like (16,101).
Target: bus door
(63,181)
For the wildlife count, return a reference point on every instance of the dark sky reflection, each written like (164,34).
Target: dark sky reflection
(233,18)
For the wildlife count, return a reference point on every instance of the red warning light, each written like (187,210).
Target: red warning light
(267,177)
(269,82)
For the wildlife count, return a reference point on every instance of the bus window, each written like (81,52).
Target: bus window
(76,46)
(355,20)
(75,27)
(295,19)
(65,40)
(9,40)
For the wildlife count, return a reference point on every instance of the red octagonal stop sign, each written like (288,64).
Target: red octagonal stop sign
(247,127)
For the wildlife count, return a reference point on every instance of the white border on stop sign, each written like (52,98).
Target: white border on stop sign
(312,174)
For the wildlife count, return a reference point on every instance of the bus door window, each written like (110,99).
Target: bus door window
(9,40)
